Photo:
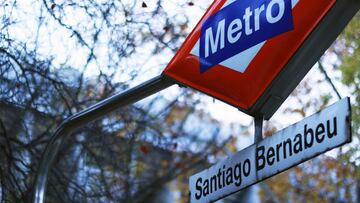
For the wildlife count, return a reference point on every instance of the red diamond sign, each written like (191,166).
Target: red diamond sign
(252,53)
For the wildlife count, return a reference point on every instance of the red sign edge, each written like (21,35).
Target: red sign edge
(314,46)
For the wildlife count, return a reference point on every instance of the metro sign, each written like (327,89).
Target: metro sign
(252,53)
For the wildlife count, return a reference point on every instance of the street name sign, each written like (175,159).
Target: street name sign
(293,145)
(251,54)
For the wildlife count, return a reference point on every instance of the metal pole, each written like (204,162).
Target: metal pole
(90,114)
(258,128)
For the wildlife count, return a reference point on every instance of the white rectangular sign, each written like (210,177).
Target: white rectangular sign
(293,145)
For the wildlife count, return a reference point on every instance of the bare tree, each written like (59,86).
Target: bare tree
(59,57)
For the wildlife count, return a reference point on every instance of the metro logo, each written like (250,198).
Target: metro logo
(240,26)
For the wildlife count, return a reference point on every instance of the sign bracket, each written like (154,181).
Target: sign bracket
(258,122)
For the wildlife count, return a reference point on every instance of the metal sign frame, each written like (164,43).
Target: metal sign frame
(92,113)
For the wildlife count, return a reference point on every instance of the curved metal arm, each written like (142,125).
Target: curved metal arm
(94,112)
